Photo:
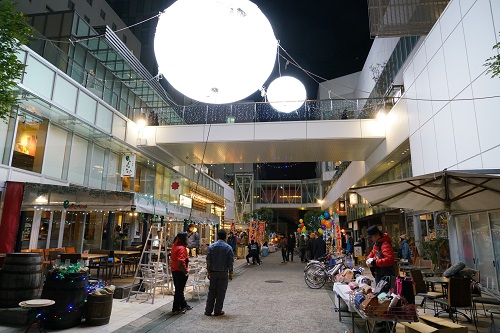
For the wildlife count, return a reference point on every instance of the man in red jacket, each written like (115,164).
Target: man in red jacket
(381,258)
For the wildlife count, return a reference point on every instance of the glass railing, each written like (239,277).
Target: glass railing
(248,112)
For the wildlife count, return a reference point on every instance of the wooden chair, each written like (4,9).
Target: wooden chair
(420,289)
(70,249)
(459,296)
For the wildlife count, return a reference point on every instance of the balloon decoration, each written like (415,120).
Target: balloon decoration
(323,221)
(326,215)
(299,230)
(328,225)
(320,231)
(304,229)
(301,221)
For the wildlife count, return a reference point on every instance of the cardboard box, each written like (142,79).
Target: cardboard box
(430,324)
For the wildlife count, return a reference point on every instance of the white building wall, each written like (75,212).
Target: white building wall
(229,200)
(343,86)
(461,133)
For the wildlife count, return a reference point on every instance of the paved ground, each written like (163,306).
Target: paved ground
(271,297)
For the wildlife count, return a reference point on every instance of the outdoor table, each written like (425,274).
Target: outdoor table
(437,279)
(428,272)
(120,254)
(91,256)
(33,305)
(343,292)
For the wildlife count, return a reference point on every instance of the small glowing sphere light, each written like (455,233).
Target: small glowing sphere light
(215,51)
(286,94)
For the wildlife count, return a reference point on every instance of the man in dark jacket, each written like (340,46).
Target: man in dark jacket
(290,246)
(381,258)
(319,246)
(253,252)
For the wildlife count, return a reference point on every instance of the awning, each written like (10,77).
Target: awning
(450,191)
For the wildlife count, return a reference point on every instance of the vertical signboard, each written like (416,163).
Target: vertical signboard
(128,165)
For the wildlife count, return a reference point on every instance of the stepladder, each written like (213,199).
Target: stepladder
(153,273)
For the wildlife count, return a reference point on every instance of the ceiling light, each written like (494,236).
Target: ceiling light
(215,51)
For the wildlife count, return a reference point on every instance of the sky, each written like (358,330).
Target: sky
(329,38)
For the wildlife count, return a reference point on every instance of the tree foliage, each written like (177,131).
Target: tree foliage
(493,63)
(14,32)
(263,214)
(311,220)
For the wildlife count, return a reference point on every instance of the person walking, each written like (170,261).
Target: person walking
(231,240)
(253,252)
(302,248)
(283,245)
(179,267)
(193,241)
(349,249)
(319,246)
(309,246)
(220,260)
(381,258)
(290,246)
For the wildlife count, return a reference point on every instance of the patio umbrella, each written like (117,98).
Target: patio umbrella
(450,191)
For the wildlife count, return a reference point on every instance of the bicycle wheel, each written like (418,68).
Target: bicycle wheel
(315,276)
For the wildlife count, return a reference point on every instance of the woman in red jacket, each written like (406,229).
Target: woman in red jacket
(179,266)
(381,258)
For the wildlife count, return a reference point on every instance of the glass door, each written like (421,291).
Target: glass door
(484,257)
(464,240)
(495,236)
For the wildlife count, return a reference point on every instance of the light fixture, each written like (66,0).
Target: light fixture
(286,94)
(215,51)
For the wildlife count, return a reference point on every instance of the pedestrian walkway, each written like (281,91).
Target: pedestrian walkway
(271,297)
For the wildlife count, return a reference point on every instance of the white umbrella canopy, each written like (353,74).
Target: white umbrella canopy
(451,191)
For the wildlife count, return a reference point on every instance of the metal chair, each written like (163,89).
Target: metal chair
(420,289)
(459,296)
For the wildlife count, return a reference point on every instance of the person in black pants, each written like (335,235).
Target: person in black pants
(253,252)
(180,273)
(291,247)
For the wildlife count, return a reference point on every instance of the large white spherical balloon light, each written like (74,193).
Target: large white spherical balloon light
(215,51)
(286,94)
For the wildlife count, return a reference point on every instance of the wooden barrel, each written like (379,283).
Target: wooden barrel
(98,309)
(69,291)
(20,278)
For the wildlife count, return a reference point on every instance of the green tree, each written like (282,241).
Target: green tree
(311,220)
(14,32)
(493,63)
(263,214)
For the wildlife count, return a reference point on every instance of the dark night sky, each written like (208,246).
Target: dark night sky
(329,38)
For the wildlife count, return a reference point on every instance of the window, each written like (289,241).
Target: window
(71,5)
(113,26)
(103,14)
(30,143)
(86,18)
(90,2)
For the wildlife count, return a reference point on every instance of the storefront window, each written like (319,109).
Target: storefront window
(44,229)
(26,234)
(29,143)
(93,230)
(73,227)
(54,233)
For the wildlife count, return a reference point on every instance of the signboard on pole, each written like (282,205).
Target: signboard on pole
(128,165)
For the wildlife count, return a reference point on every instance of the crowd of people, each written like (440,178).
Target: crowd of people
(221,254)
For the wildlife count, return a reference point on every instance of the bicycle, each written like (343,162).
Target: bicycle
(316,274)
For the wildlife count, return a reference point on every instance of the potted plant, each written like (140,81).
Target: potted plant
(433,247)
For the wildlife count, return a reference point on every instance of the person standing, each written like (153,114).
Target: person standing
(180,273)
(302,248)
(231,240)
(283,245)
(220,259)
(349,248)
(253,252)
(193,241)
(290,246)
(405,249)
(381,258)
(309,246)
(319,246)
